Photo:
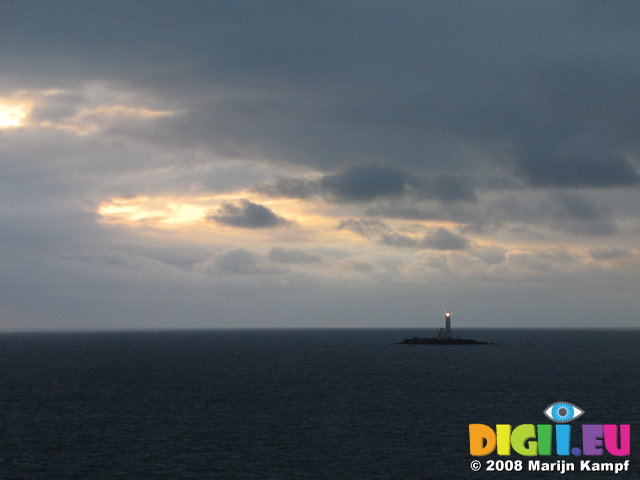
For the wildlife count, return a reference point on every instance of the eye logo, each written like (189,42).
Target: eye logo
(563,412)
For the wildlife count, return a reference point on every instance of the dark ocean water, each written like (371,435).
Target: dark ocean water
(294,404)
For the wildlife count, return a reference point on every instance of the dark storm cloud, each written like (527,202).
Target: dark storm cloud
(365,183)
(446,188)
(247,215)
(545,93)
(359,183)
(549,169)
(443,239)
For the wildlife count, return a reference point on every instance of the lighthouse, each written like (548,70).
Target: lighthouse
(447,323)
(446,331)
(445,337)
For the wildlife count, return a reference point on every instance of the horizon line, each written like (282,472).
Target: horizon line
(8,330)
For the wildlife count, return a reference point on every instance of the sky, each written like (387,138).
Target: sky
(237,164)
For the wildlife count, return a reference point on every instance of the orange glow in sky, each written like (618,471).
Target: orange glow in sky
(169,211)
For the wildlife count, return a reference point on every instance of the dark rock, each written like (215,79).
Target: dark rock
(441,341)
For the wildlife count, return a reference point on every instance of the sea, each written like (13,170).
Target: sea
(343,404)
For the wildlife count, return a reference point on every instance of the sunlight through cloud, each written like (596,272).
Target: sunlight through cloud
(13,113)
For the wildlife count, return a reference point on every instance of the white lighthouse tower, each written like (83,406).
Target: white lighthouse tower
(446,331)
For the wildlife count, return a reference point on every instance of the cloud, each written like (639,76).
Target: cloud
(466,265)
(237,261)
(411,212)
(289,187)
(293,256)
(247,215)
(549,262)
(578,214)
(443,239)
(513,126)
(558,170)
(558,211)
(356,266)
(359,183)
(427,264)
(526,211)
(370,228)
(397,240)
(57,106)
(491,254)
(609,253)
(443,187)
(378,231)
(521,265)
(365,183)
(546,102)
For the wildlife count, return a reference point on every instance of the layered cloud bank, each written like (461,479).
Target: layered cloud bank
(332,164)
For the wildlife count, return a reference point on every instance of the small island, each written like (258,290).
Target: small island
(445,337)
